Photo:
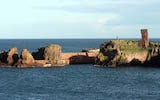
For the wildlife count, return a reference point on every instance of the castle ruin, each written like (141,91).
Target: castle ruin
(144,42)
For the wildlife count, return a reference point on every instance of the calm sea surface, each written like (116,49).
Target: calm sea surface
(76,82)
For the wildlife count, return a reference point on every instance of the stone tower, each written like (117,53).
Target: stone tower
(144,40)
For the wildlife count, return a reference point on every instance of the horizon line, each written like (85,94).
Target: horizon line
(71,38)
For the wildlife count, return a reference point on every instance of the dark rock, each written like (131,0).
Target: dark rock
(3,57)
(81,59)
(39,55)
(135,62)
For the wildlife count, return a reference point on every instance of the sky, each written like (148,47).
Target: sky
(78,18)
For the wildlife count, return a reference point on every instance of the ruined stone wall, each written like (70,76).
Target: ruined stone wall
(78,58)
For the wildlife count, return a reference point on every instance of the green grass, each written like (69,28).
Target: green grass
(132,49)
(130,46)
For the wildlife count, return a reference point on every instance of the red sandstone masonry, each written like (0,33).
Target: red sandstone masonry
(69,55)
(144,42)
(81,57)
(78,58)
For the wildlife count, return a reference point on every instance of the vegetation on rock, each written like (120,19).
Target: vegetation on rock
(124,52)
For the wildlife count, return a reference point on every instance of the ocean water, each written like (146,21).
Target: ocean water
(68,45)
(76,82)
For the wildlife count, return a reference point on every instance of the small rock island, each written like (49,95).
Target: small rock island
(111,53)
(129,52)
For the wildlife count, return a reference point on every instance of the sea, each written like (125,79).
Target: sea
(76,82)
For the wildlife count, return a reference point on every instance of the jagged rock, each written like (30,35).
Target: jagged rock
(119,59)
(52,53)
(39,55)
(151,44)
(26,57)
(121,52)
(153,57)
(3,57)
(109,53)
(12,56)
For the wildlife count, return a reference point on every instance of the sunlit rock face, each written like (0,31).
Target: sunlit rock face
(12,56)
(26,57)
(52,53)
(121,52)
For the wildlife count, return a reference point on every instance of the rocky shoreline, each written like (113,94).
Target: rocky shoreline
(129,52)
(111,53)
(126,53)
(49,56)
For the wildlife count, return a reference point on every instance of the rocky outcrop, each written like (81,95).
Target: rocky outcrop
(121,52)
(153,58)
(52,53)
(3,57)
(49,56)
(26,57)
(39,55)
(12,56)
(111,53)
